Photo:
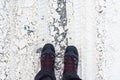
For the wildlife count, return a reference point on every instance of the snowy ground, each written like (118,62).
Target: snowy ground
(91,25)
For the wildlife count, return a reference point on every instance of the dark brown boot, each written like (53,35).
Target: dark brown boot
(47,63)
(70,64)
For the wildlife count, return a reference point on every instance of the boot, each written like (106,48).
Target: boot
(70,64)
(47,63)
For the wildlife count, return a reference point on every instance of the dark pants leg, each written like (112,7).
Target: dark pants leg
(70,76)
(45,78)
(76,79)
(72,79)
(45,75)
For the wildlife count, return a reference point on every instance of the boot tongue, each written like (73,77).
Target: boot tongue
(71,64)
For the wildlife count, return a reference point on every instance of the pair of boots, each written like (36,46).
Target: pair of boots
(48,61)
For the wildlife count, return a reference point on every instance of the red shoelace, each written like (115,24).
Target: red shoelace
(70,64)
(47,61)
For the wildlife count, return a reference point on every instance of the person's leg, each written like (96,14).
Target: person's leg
(70,64)
(46,78)
(47,63)
(40,76)
(75,79)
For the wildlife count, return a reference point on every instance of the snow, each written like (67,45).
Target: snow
(92,26)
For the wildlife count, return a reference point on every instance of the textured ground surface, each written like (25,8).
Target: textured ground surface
(91,25)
